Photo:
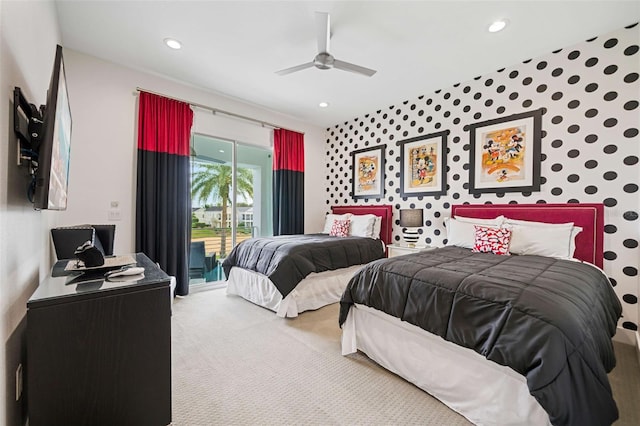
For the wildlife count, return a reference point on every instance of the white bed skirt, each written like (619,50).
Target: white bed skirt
(484,392)
(315,291)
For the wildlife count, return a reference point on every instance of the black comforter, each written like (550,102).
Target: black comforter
(550,320)
(287,259)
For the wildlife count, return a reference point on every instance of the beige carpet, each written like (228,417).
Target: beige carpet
(235,363)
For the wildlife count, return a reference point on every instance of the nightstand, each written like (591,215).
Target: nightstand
(399,250)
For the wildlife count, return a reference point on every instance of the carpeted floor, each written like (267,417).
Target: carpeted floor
(235,363)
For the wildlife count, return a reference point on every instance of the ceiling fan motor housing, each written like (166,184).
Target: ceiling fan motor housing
(323,61)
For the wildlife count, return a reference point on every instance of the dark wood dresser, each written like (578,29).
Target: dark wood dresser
(99,352)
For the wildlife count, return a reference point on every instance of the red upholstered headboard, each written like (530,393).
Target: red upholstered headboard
(384,211)
(590,217)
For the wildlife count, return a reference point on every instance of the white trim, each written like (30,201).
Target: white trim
(628,337)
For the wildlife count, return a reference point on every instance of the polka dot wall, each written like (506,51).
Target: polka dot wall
(590,145)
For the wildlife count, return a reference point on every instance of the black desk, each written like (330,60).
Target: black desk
(99,352)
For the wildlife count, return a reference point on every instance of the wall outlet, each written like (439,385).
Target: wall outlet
(18,382)
(114,214)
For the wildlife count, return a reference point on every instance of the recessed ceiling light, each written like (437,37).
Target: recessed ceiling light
(221,150)
(497,26)
(172,43)
(323,104)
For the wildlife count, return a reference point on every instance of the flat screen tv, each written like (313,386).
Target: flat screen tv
(52,176)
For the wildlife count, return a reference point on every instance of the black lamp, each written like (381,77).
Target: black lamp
(410,219)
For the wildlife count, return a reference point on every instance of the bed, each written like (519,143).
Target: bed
(521,339)
(250,276)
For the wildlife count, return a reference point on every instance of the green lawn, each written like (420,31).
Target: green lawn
(211,232)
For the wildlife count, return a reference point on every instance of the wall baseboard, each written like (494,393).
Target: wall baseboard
(638,346)
(628,337)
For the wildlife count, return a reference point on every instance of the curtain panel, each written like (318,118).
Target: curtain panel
(288,182)
(163,198)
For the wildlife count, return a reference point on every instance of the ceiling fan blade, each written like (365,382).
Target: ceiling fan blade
(346,66)
(205,158)
(294,69)
(197,157)
(323,28)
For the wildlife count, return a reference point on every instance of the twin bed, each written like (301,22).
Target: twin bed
(520,339)
(271,272)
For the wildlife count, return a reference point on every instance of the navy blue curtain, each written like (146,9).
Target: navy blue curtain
(163,198)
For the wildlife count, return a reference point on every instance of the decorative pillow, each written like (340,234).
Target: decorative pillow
(461,232)
(329,218)
(362,225)
(340,228)
(492,240)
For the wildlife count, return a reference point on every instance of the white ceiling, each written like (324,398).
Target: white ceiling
(417,47)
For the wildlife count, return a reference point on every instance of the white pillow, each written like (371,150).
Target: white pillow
(362,225)
(532,223)
(330,217)
(572,241)
(496,221)
(461,231)
(543,239)
(377,227)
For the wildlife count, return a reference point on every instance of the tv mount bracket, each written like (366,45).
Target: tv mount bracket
(28,125)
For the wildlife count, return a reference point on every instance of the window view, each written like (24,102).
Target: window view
(220,218)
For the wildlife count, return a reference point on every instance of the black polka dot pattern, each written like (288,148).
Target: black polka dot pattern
(589,145)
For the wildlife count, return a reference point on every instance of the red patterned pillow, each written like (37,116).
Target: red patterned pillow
(340,228)
(492,240)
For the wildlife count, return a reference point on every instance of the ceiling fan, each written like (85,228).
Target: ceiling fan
(204,158)
(325,60)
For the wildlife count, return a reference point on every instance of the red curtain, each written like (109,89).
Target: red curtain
(288,182)
(164,125)
(163,199)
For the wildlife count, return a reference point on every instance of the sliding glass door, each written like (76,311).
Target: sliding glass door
(231,201)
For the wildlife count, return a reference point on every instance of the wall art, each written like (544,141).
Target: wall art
(505,154)
(423,164)
(368,172)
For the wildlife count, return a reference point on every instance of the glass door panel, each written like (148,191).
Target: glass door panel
(253,192)
(211,195)
(231,201)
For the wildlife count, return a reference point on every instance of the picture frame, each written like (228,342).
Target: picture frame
(423,165)
(367,172)
(505,154)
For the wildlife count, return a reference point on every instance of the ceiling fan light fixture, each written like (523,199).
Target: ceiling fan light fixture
(498,25)
(323,104)
(173,43)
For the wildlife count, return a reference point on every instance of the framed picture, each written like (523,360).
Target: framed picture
(368,172)
(505,154)
(423,165)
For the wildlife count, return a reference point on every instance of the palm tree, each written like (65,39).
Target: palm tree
(214,181)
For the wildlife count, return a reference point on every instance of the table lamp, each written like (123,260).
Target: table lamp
(410,220)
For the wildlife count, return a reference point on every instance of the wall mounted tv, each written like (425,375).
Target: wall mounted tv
(45,143)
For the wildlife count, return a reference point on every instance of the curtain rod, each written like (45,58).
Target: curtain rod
(219,111)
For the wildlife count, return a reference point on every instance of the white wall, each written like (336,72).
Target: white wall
(103,157)
(103,160)
(28,36)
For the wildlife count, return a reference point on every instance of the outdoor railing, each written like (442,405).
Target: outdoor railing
(213,244)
